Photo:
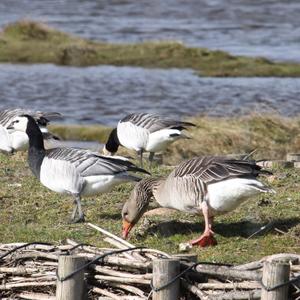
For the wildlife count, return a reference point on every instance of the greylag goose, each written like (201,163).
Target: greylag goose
(145,132)
(72,171)
(11,141)
(211,185)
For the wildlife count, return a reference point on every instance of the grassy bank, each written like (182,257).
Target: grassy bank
(31,42)
(30,212)
(273,136)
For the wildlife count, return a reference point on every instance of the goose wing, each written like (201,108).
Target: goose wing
(213,169)
(153,122)
(42,118)
(88,163)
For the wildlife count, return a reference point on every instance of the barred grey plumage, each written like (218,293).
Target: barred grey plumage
(44,117)
(213,185)
(211,169)
(89,163)
(153,122)
(70,170)
(145,132)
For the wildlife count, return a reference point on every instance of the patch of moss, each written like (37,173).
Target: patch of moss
(32,42)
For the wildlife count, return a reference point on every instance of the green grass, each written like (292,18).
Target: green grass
(32,42)
(30,212)
(81,132)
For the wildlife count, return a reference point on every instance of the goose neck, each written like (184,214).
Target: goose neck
(35,136)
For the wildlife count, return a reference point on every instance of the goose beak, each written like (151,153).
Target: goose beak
(126,229)
(10,127)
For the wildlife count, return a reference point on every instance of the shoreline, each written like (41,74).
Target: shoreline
(31,42)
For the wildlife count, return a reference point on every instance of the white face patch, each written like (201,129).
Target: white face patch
(18,124)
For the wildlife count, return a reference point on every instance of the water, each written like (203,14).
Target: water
(267,28)
(104,94)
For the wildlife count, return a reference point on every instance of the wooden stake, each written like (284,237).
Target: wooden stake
(164,270)
(74,287)
(274,273)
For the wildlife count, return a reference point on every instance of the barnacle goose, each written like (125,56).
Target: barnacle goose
(145,132)
(211,185)
(11,141)
(70,170)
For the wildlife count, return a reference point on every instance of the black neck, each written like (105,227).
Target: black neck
(34,134)
(36,152)
(113,142)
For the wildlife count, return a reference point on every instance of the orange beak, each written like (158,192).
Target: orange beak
(126,229)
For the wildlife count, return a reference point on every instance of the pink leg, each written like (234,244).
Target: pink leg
(207,238)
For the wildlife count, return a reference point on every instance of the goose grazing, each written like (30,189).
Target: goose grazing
(70,170)
(145,132)
(211,185)
(11,141)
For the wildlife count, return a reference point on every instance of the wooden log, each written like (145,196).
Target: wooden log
(239,295)
(35,255)
(9,286)
(130,264)
(72,288)
(34,279)
(193,289)
(228,272)
(164,270)
(187,257)
(128,288)
(18,270)
(119,246)
(289,257)
(130,255)
(105,232)
(105,293)
(104,270)
(248,285)
(35,296)
(125,280)
(274,273)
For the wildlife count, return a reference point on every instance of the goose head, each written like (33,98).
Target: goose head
(135,207)
(112,144)
(19,123)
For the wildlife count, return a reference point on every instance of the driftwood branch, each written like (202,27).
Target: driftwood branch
(35,296)
(28,271)
(123,280)
(107,233)
(229,286)
(8,286)
(228,272)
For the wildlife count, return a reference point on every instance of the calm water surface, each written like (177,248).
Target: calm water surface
(104,94)
(268,28)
